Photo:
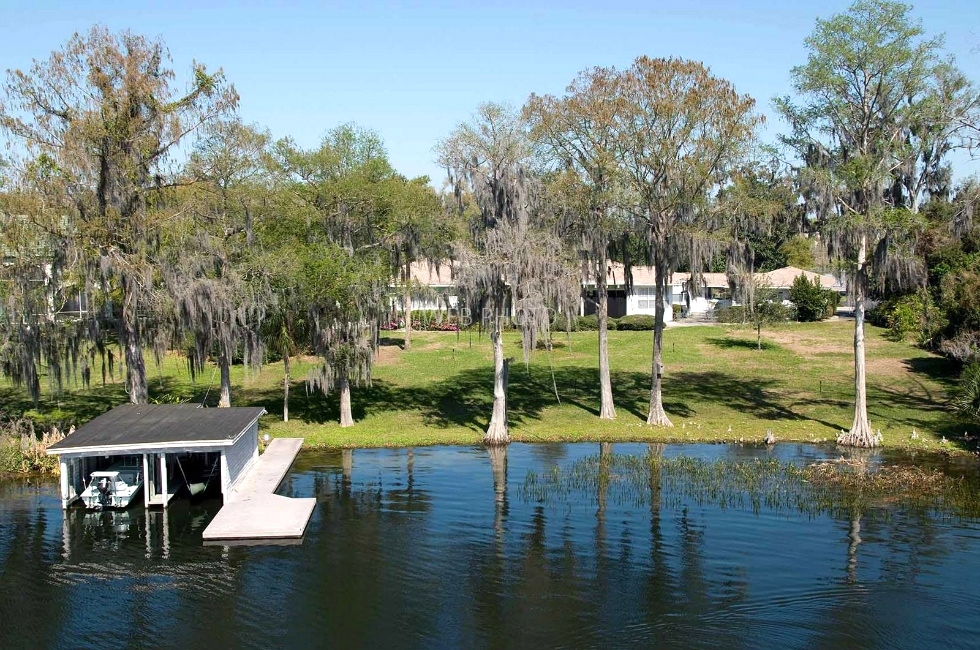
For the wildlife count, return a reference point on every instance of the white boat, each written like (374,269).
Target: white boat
(114,487)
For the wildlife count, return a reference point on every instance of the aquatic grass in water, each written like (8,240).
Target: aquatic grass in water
(436,548)
(22,449)
(835,487)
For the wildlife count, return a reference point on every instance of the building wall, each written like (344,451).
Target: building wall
(643,301)
(617,304)
(446,299)
(235,460)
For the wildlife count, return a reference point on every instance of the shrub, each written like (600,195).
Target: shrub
(964,347)
(425,320)
(590,323)
(678,311)
(560,323)
(833,301)
(432,320)
(732,314)
(967,398)
(914,317)
(903,319)
(878,315)
(773,312)
(636,323)
(809,298)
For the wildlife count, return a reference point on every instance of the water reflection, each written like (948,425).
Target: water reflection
(439,547)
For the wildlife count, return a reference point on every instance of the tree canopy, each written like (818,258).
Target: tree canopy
(99,121)
(877,109)
(139,213)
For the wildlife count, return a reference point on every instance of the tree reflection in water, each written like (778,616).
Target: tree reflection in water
(519,547)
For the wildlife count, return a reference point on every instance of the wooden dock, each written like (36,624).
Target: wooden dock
(252,511)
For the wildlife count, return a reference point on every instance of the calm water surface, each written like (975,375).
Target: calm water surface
(432,548)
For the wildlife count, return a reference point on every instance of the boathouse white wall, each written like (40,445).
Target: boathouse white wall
(239,457)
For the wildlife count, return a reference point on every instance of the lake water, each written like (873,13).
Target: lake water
(433,548)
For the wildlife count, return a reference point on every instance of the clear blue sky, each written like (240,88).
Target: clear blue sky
(413,71)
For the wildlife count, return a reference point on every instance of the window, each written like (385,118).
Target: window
(646,298)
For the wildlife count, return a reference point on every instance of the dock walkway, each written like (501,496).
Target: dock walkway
(252,510)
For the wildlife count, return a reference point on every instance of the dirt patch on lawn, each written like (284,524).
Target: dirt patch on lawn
(806,346)
(388,355)
(887,367)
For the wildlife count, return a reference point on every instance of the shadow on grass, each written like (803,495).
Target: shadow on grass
(391,342)
(759,398)
(78,405)
(934,415)
(938,369)
(730,343)
(465,399)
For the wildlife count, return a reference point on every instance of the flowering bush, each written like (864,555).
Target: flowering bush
(425,321)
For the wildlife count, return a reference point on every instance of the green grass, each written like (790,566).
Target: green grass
(718,387)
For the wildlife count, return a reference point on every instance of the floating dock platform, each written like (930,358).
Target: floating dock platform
(252,511)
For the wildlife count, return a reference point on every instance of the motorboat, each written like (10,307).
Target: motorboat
(114,487)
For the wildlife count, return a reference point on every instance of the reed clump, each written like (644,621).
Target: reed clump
(834,488)
(23,449)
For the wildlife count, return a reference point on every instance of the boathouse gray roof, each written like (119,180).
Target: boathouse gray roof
(134,428)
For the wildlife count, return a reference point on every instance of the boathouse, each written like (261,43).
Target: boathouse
(177,443)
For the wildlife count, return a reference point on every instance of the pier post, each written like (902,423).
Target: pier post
(65,484)
(163,478)
(147,483)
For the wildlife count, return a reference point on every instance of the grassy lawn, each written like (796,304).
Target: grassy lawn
(718,387)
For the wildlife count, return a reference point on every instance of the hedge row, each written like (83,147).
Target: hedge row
(590,323)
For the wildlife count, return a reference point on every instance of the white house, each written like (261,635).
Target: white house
(714,288)
(438,280)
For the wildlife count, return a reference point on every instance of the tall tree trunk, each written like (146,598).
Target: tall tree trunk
(346,417)
(498,465)
(853,542)
(657,415)
(224,365)
(658,561)
(407,279)
(408,318)
(758,334)
(602,490)
(497,430)
(346,469)
(607,409)
(860,434)
(285,387)
(133,346)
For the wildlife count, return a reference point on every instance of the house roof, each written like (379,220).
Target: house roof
(715,280)
(783,278)
(433,275)
(643,276)
(143,427)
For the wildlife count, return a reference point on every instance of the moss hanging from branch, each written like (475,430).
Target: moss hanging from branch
(515,259)
(99,121)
